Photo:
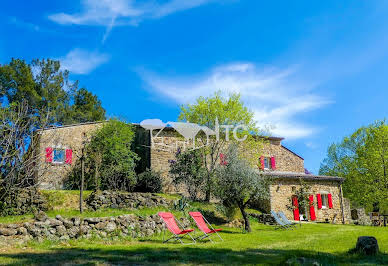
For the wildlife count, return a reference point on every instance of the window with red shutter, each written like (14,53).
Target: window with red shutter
(69,156)
(262,165)
(296,208)
(273,163)
(319,201)
(312,210)
(330,201)
(49,154)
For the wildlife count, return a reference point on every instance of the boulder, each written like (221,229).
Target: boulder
(367,245)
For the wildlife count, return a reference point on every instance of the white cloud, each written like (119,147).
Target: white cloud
(80,61)
(109,13)
(275,96)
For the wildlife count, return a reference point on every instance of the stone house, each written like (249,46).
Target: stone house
(60,147)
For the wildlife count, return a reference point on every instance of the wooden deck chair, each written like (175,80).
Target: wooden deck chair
(202,225)
(285,219)
(178,234)
(279,222)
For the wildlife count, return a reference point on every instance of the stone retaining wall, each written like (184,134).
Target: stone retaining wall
(124,200)
(60,228)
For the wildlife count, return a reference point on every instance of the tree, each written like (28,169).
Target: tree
(87,107)
(109,158)
(188,169)
(46,89)
(238,184)
(17,161)
(227,111)
(362,158)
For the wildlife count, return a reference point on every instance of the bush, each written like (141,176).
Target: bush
(149,181)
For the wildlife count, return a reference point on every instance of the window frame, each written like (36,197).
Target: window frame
(325,200)
(63,150)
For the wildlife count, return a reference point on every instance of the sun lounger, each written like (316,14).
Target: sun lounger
(202,225)
(178,234)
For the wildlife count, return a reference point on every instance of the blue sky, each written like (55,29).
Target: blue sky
(314,71)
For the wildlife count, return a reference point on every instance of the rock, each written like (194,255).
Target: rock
(67,223)
(110,227)
(367,245)
(61,230)
(92,220)
(73,232)
(8,232)
(55,222)
(100,226)
(22,231)
(40,216)
(76,221)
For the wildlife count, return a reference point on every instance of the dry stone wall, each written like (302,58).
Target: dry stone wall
(124,200)
(60,228)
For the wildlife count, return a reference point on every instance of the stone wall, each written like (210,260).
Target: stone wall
(60,228)
(22,201)
(286,160)
(52,175)
(283,189)
(124,200)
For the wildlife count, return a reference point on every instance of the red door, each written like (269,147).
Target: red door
(296,207)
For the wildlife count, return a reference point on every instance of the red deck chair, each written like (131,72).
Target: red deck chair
(171,225)
(202,225)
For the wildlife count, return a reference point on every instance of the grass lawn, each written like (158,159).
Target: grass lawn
(325,243)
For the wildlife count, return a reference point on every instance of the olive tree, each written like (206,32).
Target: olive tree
(238,184)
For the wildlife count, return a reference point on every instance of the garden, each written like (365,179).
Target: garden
(308,243)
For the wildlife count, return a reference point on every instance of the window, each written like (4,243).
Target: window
(267,163)
(325,201)
(59,155)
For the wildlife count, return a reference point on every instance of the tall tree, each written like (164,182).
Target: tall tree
(86,107)
(362,158)
(227,111)
(47,90)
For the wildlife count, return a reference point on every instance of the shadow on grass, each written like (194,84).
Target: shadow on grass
(185,255)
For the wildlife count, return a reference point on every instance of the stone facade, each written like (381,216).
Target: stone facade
(51,175)
(283,189)
(164,148)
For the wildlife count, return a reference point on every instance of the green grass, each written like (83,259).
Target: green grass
(325,243)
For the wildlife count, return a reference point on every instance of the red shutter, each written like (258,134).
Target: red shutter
(273,163)
(330,200)
(69,156)
(312,210)
(262,162)
(49,154)
(319,201)
(296,208)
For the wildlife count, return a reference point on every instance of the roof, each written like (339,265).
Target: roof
(294,175)
(71,125)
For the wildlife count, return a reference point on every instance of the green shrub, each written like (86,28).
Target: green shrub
(149,181)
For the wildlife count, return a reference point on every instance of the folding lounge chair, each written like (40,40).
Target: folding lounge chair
(285,220)
(202,225)
(280,223)
(171,225)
